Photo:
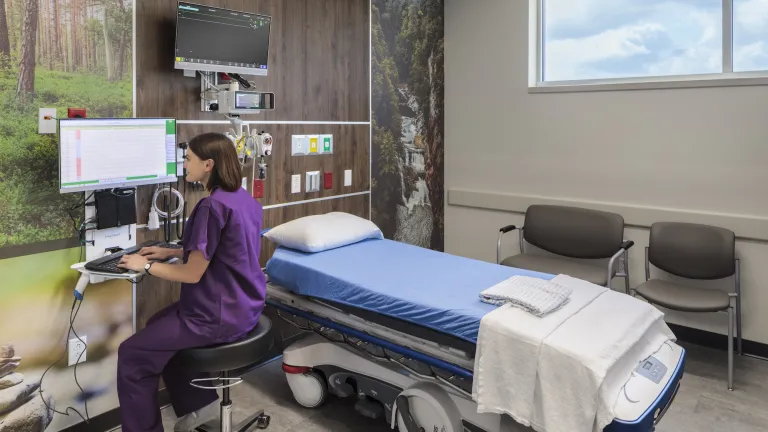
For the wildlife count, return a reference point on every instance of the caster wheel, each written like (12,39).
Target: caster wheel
(309,389)
(263,421)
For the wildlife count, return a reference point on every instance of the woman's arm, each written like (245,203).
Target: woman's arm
(190,272)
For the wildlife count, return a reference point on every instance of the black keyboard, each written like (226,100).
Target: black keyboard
(108,264)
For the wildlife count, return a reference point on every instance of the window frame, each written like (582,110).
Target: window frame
(726,78)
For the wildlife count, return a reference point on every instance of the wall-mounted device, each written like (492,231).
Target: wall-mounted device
(242,102)
(311,145)
(313,181)
(221,40)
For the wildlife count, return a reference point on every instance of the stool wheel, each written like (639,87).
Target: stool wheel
(262,421)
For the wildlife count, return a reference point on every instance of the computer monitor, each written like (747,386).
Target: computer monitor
(99,154)
(221,40)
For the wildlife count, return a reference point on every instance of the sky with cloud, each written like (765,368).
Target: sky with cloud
(592,39)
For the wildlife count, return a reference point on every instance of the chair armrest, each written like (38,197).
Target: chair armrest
(627,244)
(502,231)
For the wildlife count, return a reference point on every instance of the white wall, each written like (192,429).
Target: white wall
(687,154)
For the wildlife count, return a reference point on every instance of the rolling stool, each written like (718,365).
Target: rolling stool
(230,361)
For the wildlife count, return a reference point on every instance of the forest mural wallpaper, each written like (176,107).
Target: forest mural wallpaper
(55,54)
(408,94)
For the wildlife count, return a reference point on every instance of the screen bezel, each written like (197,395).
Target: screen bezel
(195,66)
(126,184)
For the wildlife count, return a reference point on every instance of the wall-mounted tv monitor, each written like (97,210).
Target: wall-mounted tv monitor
(221,40)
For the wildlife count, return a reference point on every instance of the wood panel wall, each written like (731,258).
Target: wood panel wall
(319,71)
(318,61)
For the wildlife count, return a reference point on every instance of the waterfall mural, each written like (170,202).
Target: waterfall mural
(408,95)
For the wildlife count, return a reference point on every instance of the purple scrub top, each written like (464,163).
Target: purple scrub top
(228,300)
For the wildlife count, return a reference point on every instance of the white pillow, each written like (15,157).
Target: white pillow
(323,232)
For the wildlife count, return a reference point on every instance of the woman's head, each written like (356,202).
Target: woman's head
(212,160)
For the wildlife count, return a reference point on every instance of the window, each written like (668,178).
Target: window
(583,42)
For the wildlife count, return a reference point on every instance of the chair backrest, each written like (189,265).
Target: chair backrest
(692,251)
(574,232)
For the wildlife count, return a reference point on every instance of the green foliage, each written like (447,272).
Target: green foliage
(408,52)
(31,207)
(387,124)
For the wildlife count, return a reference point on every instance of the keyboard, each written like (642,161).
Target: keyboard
(108,264)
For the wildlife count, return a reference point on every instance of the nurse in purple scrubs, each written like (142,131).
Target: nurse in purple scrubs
(222,295)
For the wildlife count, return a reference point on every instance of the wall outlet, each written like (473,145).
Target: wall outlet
(76,348)
(46,121)
(347,177)
(296,183)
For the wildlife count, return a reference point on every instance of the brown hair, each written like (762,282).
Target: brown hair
(227,173)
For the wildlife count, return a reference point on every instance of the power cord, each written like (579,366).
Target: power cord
(72,317)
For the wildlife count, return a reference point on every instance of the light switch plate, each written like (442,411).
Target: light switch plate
(347,177)
(296,183)
(46,126)
(299,145)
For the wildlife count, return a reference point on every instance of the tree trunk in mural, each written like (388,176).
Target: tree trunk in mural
(5,41)
(26,84)
(108,47)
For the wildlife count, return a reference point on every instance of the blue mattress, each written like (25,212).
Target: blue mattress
(421,286)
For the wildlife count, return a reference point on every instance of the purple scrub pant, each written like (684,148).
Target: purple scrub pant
(142,359)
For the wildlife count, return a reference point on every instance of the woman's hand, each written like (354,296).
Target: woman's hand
(134,262)
(158,253)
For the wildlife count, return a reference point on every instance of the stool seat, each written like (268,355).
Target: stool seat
(244,352)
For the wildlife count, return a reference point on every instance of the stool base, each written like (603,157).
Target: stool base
(259,420)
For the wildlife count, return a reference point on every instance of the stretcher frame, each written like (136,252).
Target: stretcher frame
(447,365)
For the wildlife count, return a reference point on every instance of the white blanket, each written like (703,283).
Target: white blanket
(564,372)
(537,296)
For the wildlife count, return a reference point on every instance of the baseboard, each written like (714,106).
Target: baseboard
(716,341)
(111,419)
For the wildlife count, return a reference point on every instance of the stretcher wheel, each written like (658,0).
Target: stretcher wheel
(309,389)
(427,416)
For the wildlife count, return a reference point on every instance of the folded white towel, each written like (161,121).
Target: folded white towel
(537,296)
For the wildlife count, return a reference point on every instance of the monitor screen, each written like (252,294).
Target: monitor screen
(111,153)
(221,40)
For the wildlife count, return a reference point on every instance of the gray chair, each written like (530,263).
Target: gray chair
(571,232)
(698,252)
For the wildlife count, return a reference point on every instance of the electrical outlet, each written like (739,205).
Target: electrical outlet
(76,348)
(46,121)
(296,183)
(347,177)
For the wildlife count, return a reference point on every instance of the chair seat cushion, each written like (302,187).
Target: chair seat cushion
(248,350)
(555,265)
(678,297)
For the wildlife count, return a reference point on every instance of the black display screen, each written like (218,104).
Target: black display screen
(224,37)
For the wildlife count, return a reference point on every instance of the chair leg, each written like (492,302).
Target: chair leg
(626,274)
(730,348)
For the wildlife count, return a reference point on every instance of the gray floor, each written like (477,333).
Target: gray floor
(703,404)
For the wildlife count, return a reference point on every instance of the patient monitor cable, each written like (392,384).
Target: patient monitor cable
(72,316)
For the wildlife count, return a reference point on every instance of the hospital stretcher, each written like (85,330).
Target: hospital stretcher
(396,325)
